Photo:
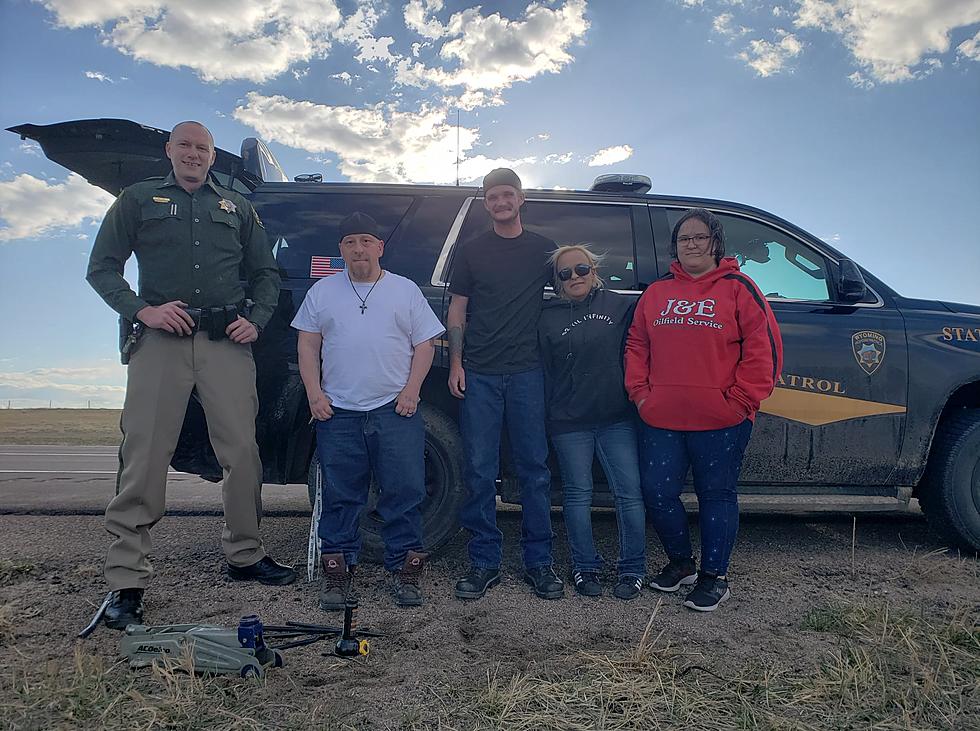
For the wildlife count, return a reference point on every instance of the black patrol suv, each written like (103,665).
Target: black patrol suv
(880,394)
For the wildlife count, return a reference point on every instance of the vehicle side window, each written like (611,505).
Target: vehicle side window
(303,226)
(607,229)
(782,266)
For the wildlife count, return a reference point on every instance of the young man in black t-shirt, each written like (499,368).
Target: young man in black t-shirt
(497,279)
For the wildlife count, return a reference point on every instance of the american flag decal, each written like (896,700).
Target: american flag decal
(324,266)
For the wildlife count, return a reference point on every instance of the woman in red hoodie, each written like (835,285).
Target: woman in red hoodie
(703,351)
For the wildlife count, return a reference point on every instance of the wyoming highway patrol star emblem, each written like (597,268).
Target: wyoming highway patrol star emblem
(227,206)
(869,350)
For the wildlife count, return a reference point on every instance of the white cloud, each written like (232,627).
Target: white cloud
(103,385)
(559,158)
(343,76)
(543,136)
(472,99)
(890,40)
(724,25)
(860,80)
(373,144)
(610,156)
(30,147)
(31,207)
(220,40)
(99,76)
(300,74)
(358,30)
(970,48)
(417,17)
(491,52)
(768,58)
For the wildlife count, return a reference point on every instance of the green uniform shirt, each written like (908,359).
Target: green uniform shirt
(189,247)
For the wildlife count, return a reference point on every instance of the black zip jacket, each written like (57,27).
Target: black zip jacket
(582,354)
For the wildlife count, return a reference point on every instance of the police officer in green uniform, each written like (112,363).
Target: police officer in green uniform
(190,237)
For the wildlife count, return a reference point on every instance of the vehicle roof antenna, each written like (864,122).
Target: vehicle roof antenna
(457,147)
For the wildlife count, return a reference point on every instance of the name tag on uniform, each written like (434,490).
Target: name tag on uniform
(160,199)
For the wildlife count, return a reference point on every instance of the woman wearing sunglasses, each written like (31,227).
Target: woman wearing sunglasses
(703,351)
(581,333)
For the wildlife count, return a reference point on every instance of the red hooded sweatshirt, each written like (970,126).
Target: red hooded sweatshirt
(702,353)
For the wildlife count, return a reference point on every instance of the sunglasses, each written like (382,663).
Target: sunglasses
(581,269)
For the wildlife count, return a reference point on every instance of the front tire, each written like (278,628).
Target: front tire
(443,487)
(950,496)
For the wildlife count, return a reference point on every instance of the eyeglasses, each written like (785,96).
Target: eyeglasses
(580,269)
(699,239)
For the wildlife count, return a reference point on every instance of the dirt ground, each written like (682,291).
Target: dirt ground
(431,657)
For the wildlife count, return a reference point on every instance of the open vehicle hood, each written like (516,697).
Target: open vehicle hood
(114,153)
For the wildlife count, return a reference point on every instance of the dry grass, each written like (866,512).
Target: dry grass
(13,571)
(889,671)
(87,694)
(88,427)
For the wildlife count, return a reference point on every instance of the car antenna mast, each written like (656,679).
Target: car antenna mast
(457,147)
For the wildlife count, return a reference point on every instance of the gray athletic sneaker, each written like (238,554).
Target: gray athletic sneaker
(708,593)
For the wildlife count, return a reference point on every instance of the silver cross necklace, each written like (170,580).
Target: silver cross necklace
(363,299)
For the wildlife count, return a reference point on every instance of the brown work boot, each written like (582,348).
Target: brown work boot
(406,583)
(337,580)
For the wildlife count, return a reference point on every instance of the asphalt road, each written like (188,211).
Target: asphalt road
(56,480)
(59,480)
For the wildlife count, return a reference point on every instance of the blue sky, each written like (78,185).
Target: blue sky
(855,119)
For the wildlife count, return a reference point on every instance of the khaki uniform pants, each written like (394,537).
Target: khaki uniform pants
(162,371)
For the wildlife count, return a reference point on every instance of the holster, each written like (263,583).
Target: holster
(129,335)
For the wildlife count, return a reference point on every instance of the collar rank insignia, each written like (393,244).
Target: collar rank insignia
(226,205)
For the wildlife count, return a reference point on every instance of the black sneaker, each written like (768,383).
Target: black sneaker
(545,581)
(475,584)
(708,593)
(677,573)
(628,587)
(587,583)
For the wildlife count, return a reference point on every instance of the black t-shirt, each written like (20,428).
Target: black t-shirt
(503,279)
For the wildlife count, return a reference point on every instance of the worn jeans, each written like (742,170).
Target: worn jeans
(616,446)
(517,400)
(352,445)
(715,458)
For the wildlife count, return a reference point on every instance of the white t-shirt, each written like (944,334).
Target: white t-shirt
(366,357)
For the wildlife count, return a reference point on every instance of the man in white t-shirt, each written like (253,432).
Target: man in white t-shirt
(374,333)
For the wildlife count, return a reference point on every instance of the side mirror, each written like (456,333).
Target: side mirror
(851,286)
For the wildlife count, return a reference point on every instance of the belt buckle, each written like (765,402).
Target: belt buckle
(197,315)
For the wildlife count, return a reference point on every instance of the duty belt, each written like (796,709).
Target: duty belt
(212,320)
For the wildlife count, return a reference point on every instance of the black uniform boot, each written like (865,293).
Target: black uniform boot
(125,608)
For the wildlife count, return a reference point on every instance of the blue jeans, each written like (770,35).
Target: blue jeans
(353,444)
(516,399)
(715,458)
(617,449)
